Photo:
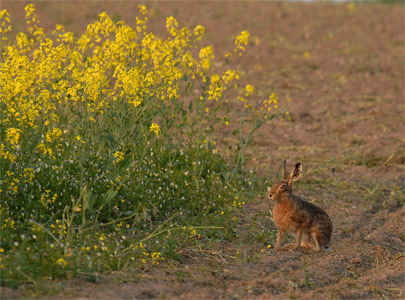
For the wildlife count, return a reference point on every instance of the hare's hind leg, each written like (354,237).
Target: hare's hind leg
(315,237)
(279,238)
(307,241)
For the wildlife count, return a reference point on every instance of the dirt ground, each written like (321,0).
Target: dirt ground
(339,69)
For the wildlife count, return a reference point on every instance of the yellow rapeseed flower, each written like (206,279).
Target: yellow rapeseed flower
(61,262)
(119,156)
(206,55)
(53,135)
(241,41)
(249,90)
(155,128)
(199,32)
(13,135)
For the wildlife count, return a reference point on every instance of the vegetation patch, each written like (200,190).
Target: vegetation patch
(110,156)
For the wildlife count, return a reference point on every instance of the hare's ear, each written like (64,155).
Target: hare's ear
(268,189)
(295,173)
(284,172)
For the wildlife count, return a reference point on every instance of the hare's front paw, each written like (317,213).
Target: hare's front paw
(289,246)
(297,246)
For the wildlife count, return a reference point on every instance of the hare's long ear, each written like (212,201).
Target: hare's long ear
(295,173)
(284,172)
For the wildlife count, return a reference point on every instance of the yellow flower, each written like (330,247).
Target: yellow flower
(171,25)
(273,98)
(229,76)
(206,55)
(155,128)
(193,232)
(53,135)
(241,41)
(142,9)
(61,262)
(119,156)
(351,6)
(199,32)
(306,55)
(249,90)
(29,9)
(13,135)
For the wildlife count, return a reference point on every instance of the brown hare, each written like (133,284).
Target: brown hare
(309,223)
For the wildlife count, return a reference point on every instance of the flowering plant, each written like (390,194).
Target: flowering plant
(112,130)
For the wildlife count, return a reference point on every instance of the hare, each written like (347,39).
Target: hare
(309,223)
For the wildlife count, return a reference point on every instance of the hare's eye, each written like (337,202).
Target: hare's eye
(283,186)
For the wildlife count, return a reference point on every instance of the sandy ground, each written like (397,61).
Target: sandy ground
(339,69)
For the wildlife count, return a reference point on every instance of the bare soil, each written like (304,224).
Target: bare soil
(339,69)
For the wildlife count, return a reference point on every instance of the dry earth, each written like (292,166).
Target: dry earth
(339,69)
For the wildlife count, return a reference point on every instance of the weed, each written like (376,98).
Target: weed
(109,150)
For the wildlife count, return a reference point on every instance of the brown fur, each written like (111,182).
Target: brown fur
(309,223)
